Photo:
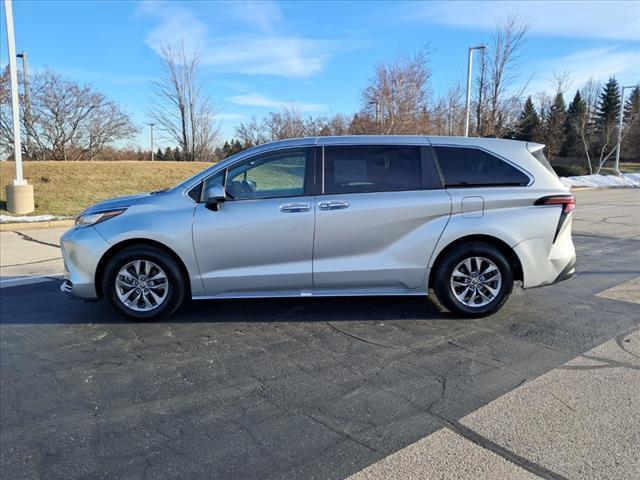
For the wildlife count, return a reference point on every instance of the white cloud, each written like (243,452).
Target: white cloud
(259,49)
(258,100)
(615,20)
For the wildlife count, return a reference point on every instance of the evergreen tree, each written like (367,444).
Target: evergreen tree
(177,155)
(159,155)
(528,122)
(632,105)
(572,146)
(168,155)
(631,116)
(554,126)
(609,105)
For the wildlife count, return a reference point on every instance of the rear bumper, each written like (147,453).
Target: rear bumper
(544,262)
(568,271)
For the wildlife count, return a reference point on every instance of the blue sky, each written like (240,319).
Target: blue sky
(259,56)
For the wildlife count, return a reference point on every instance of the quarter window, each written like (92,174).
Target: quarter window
(471,167)
(355,169)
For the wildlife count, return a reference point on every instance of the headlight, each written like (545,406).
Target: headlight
(94,218)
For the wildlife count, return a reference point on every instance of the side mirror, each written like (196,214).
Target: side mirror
(215,194)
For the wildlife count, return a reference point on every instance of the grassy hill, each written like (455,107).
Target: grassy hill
(66,188)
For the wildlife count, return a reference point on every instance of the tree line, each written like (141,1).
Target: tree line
(63,120)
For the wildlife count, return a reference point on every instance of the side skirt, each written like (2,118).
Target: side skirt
(313,293)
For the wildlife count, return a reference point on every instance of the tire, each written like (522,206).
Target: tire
(160,287)
(477,291)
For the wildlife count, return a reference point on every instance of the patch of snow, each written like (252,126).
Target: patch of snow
(30,218)
(603,181)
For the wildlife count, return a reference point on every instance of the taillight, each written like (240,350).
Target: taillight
(568,202)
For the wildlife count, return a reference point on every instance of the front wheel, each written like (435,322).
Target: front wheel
(143,283)
(473,279)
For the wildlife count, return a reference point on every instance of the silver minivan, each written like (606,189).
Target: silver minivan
(333,216)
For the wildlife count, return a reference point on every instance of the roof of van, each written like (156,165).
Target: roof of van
(389,139)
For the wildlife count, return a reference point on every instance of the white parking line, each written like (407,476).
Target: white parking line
(20,281)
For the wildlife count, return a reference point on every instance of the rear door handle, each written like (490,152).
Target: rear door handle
(333,205)
(295,207)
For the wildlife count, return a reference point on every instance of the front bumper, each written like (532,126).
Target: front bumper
(82,249)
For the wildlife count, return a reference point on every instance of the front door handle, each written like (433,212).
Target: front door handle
(295,207)
(333,205)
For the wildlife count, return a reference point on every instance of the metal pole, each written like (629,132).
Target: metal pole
(616,167)
(17,149)
(152,152)
(469,68)
(27,104)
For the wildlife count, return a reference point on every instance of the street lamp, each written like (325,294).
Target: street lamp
(152,153)
(20,194)
(617,165)
(27,104)
(469,68)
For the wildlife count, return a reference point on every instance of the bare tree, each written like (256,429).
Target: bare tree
(497,104)
(252,133)
(181,107)
(67,121)
(447,116)
(584,121)
(397,96)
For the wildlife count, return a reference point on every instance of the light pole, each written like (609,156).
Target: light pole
(469,68)
(617,165)
(152,153)
(20,194)
(27,105)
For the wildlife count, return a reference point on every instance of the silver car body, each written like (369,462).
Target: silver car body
(384,243)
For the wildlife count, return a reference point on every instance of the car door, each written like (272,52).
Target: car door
(260,240)
(380,213)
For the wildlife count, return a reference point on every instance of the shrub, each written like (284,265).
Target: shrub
(570,170)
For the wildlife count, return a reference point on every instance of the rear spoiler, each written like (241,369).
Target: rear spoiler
(534,147)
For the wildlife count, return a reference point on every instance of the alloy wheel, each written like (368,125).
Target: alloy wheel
(142,285)
(476,281)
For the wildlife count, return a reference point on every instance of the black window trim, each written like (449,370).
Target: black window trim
(309,179)
(481,185)
(428,165)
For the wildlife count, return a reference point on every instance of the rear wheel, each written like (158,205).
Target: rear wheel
(143,283)
(473,279)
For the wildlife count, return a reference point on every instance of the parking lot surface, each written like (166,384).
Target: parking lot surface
(324,388)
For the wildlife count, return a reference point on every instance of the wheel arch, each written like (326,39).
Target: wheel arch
(501,245)
(120,246)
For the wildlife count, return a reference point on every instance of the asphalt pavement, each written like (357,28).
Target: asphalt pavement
(328,388)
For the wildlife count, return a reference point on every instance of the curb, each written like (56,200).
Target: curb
(12,227)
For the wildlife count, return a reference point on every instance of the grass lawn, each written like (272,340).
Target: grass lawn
(66,188)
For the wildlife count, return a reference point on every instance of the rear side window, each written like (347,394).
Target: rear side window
(361,169)
(471,167)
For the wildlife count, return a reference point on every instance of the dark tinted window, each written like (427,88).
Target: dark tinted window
(356,169)
(468,167)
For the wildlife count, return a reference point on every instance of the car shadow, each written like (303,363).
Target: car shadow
(43,304)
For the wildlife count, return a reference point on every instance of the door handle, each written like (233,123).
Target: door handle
(333,205)
(295,207)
